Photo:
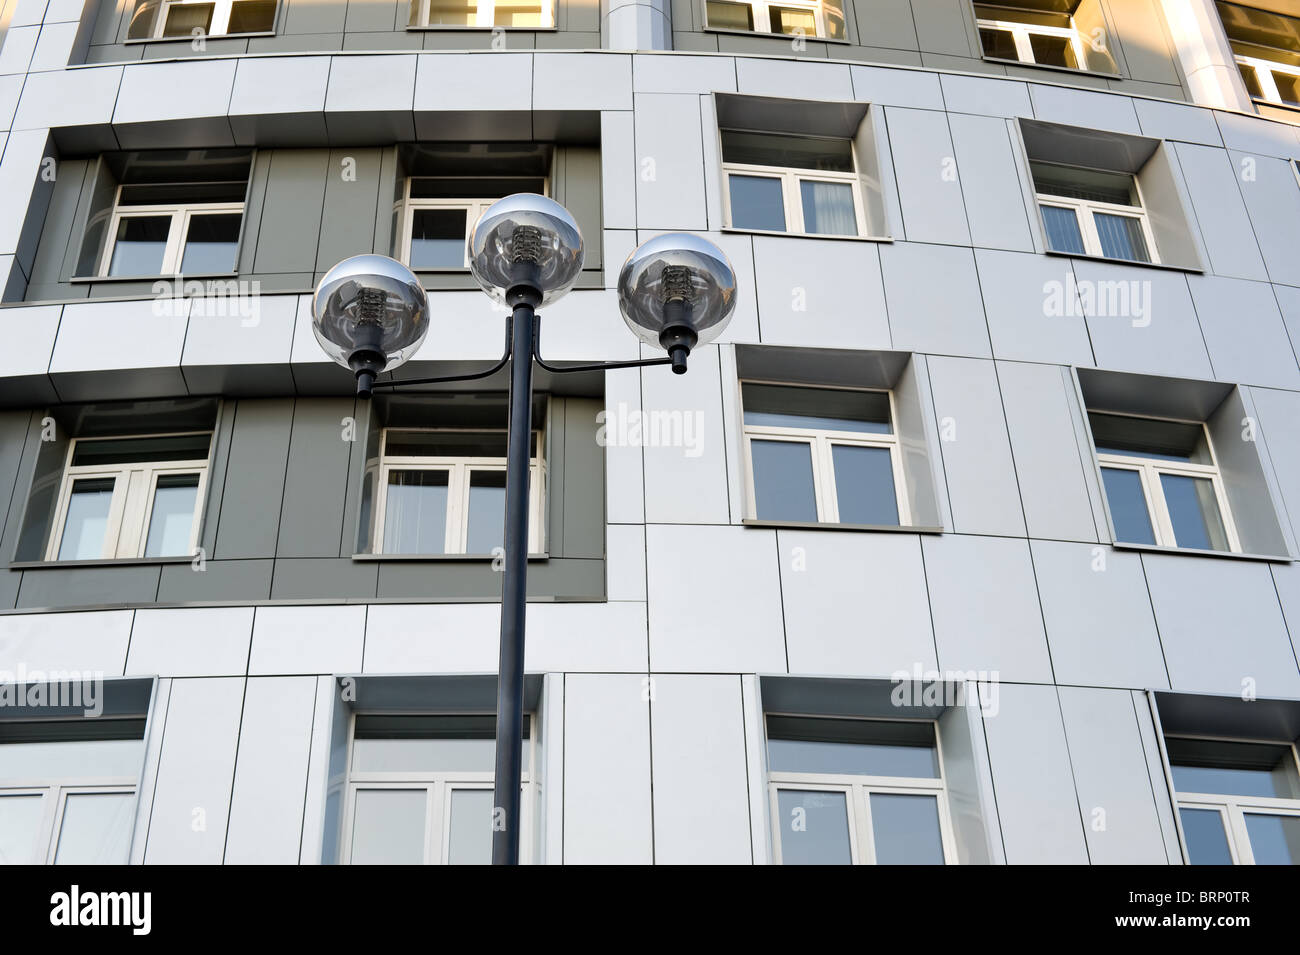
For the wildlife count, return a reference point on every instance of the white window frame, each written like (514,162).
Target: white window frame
(474,208)
(792,199)
(131,508)
(1085,209)
(858,790)
(177,234)
(458,487)
(484,18)
(760,14)
(822,443)
(1021,32)
(1264,70)
(1233,809)
(438,787)
(1149,471)
(219,25)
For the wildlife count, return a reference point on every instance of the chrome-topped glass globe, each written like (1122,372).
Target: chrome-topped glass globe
(526,241)
(369,314)
(677,291)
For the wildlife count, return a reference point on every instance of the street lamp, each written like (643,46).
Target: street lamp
(676,292)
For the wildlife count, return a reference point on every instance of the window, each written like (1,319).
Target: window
(482,14)
(131,497)
(857,792)
(818,18)
(1030,36)
(420,790)
(824,455)
(185,19)
(154,231)
(437,214)
(1093,212)
(1162,483)
(1238,801)
(799,184)
(444,492)
(1267,49)
(67,790)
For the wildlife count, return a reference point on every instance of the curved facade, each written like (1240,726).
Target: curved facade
(971,542)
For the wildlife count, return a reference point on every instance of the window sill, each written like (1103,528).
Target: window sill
(193,277)
(818,526)
(1290,107)
(784,37)
(100,562)
(1166,266)
(192,38)
(1196,552)
(729,230)
(1103,74)
(462,558)
(453,28)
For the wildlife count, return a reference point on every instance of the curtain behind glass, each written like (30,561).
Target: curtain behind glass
(828,208)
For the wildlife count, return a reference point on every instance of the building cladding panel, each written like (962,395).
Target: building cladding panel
(1056,271)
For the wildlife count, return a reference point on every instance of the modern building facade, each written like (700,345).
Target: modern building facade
(972,542)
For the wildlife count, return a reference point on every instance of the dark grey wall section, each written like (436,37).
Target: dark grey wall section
(250,515)
(582,491)
(290,220)
(460,581)
(222,435)
(125,585)
(323,579)
(350,216)
(219,580)
(13,440)
(577,168)
(316,487)
(49,268)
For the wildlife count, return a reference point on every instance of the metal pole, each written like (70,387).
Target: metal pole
(510,679)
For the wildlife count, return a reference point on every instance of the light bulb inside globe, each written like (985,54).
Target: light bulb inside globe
(526,248)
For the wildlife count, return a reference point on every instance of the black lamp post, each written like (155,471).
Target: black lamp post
(370,314)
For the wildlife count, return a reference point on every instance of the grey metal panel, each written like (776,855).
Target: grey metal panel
(557,578)
(1143,706)
(701,792)
(941,26)
(1197,714)
(584,480)
(1279,421)
(1141,32)
(1037,803)
(917,439)
(1221,626)
(969,786)
(316,818)
(933,316)
(250,512)
(1176,121)
(1250,499)
(191,802)
(1244,331)
(1100,627)
(313,16)
(1272,197)
(1053,491)
(86,642)
(207,641)
(1032,307)
(316,482)
(353,194)
(977,460)
(995,207)
(670,163)
(1169,211)
(933,210)
(290,226)
(323,578)
(985,607)
(58,234)
(826,580)
(89,586)
(1221,213)
(254,205)
(582,195)
(887,23)
(1110,775)
(13,439)
(219,581)
(986,96)
(607,807)
(820,291)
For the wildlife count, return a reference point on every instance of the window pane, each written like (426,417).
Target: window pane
(1275,840)
(184,18)
(823,409)
(835,25)
(20,825)
(518,15)
(794,21)
(730,16)
(1207,843)
(998,43)
(1149,438)
(864,485)
(1231,768)
(252,16)
(87,520)
(828,208)
(1121,237)
(172,521)
(415,512)
(783,481)
(96,829)
(388,827)
(905,829)
(1128,506)
(487,511)
(802,744)
(139,246)
(470,836)
(757,203)
(454,13)
(1075,182)
(98,452)
(457,187)
(1288,87)
(814,827)
(793,152)
(427,744)
(1063,233)
(1053,50)
(211,243)
(449,444)
(20,763)
(1194,512)
(1252,81)
(438,239)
